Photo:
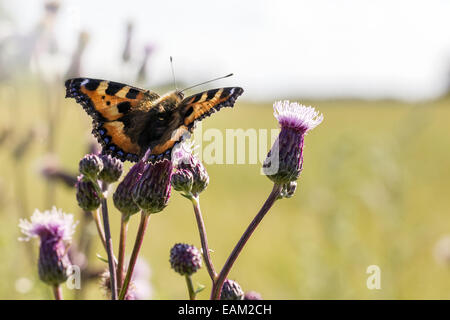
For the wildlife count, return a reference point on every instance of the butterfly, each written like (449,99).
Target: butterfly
(128,120)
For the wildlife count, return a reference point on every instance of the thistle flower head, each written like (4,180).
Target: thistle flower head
(185,259)
(50,224)
(90,166)
(152,192)
(123,199)
(112,169)
(231,290)
(284,161)
(186,161)
(55,229)
(87,196)
(296,116)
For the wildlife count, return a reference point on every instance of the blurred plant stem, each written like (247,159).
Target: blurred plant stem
(57,291)
(109,246)
(98,224)
(122,243)
(134,255)
(190,287)
(217,285)
(203,238)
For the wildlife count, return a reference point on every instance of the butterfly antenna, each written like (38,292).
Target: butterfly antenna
(199,84)
(173,73)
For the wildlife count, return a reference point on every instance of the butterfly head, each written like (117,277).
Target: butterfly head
(171,100)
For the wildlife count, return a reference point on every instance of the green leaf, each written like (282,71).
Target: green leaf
(101,258)
(200,288)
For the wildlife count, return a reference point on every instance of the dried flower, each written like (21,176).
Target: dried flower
(184,159)
(112,169)
(285,160)
(252,295)
(90,166)
(231,290)
(87,196)
(54,229)
(185,259)
(152,192)
(105,284)
(123,199)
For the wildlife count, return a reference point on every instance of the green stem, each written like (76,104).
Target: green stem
(57,291)
(109,246)
(190,287)
(217,285)
(122,244)
(134,255)
(203,239)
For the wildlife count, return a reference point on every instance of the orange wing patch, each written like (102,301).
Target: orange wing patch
(204,104)
(115,130)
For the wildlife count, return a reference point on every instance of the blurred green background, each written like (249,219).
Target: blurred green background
(374,191)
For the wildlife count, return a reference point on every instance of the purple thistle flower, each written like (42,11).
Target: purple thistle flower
(185,161)
(54,229)
(123,199)
(284,161)
(231,290)
(185,259)
(152,192)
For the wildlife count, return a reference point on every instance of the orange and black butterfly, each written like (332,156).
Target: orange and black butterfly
(128,120)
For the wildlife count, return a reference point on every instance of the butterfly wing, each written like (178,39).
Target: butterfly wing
(191,109)
(203,104)
(113,107)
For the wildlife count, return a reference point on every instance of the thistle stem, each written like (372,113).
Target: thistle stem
(190,287)
(98,224)
(203,239)
(134,255)
(122,243)
(217,285)
(57,291)
(109,246)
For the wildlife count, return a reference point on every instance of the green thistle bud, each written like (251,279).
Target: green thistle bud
(112,169)
(87,196)
(90,166)
(185,259)
(182,181)
(152,192)
(231,290)
(123,199)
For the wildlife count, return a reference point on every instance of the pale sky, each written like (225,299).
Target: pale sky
(276,49)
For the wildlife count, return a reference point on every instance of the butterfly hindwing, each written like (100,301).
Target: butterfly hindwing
(109,104)
(203,104)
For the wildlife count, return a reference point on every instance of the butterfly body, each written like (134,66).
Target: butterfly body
(128,120)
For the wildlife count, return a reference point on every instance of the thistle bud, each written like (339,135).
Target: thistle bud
(185,259)
(123,199)
(54,229)
(112,169)
(231,290)
(90,166)
(152,192)
(284,162)
(184,159)
(87,196)
(182,181)
(252,295)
